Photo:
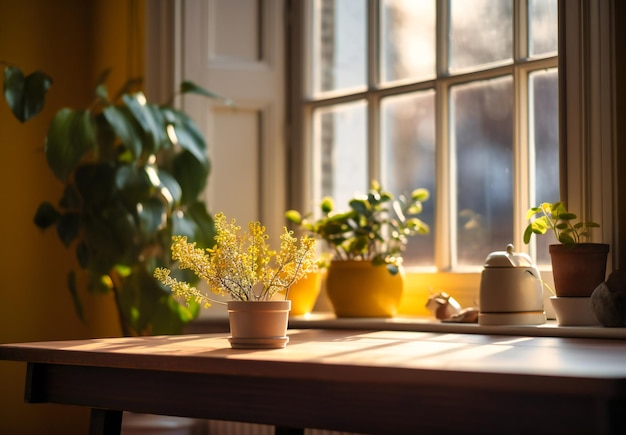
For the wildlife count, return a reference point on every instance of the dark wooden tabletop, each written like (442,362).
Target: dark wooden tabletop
(349,380)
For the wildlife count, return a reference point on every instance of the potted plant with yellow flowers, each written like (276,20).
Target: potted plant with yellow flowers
(366,277)
(243,266)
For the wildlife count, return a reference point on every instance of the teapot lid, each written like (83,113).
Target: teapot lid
(508,258)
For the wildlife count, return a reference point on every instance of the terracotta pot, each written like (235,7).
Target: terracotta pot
(359,289)
(258,324)
(578,269)
(303,294)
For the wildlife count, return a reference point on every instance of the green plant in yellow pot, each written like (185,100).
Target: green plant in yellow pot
(366,277)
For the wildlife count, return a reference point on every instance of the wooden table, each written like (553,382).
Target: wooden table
(386,382)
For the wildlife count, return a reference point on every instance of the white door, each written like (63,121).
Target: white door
(236,48)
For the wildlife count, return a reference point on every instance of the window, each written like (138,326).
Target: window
(456,96)
(588,92)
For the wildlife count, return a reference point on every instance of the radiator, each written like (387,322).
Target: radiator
(146,424)
(233,428)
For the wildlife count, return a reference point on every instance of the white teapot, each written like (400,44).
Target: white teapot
(511,290)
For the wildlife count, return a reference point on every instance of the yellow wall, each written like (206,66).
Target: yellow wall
(73,41)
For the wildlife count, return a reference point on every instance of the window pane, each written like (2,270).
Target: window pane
(544,134)
(340,152)
(481,134)
(481,32)
(407,36)
(408,160)
(542,26)
(339,45)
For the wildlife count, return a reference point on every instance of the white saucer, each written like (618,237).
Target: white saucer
(258,343)
(514,318)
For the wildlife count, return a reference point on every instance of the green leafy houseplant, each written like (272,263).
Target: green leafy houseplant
(555,217)
(132,174)
(375,228)
(578,267)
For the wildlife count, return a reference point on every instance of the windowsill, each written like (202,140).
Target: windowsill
(324,320)
(429,324)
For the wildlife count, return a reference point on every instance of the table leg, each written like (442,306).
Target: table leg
(105,422)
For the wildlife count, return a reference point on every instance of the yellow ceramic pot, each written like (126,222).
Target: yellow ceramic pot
(303,294)
(360,289)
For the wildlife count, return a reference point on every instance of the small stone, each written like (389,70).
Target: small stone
(617,281)
(608,301)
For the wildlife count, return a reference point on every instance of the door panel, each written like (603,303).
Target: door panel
(236,48)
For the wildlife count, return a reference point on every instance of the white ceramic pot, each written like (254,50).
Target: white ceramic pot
(574,311)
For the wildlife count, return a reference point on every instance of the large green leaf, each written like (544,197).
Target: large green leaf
(184,225)
(25,95)
(360,206)
(95,183)
(122,123)
(191,176)
(46,215)
(78,304)
(205,237)
(82,254)
(197,224)
(188,136)
(170,316)
(138,183)
(131,303)
(173,192)
(70,136)
(70,198)
(150,120)
(148,308)
(68,226)
(192,88)
(99,282)
(111,236)
(152,216)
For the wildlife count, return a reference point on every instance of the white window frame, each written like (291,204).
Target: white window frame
(587,117)
(587,148)
(519,69)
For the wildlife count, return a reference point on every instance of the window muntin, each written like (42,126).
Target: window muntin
(477,157)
